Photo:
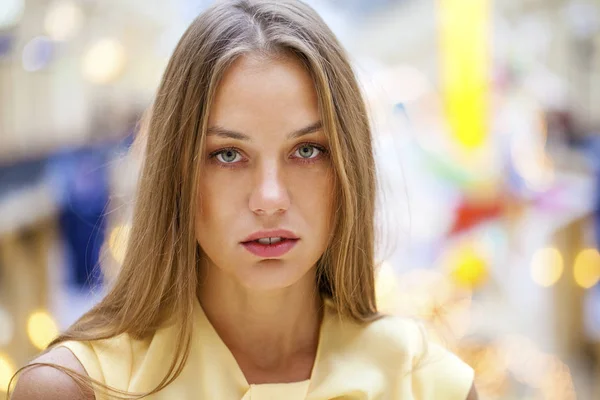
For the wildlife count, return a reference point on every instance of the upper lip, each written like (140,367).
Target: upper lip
(282,233)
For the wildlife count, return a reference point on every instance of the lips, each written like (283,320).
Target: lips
(281,233)
(270,250)
(270,244)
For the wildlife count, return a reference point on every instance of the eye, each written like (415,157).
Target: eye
(228,156)
(307,151)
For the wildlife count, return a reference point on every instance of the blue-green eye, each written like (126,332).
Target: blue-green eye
(228,156)
(307,151)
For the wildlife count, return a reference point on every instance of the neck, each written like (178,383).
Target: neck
(273,334)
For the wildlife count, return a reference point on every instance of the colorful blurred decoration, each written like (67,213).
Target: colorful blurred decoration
(11,12)
(464,37)
(104,61)
(471,213)
(83,180)
(547,266)
(37,53)
(586,270)
(63,20)
(7,370)
(468,265)
(41,329)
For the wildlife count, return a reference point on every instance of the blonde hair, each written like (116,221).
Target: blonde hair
(159,274)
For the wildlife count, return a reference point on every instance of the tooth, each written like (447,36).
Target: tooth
(264,241)
(275,240)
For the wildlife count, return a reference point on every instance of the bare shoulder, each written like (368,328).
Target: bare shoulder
(44,382)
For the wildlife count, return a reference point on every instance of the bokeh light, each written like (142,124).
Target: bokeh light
(41,329)
(468,266)
(546,266)
(586,270)
(104,61)
(37,53)
(7,370)
(63,20)
(11,12)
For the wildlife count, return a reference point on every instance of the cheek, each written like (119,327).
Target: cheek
(314,194)
(203,201)
(211,203)
(219,195)
(219,207)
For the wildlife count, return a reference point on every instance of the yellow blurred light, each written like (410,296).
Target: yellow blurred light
(464,38)
(63,20)
(41,329)
(587,268)
(546,266)
(386,288)
(468,267)
(104,61)
(7,370)
(117,242)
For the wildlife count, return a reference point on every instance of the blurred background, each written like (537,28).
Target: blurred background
(486,116)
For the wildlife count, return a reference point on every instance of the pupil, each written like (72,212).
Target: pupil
(229,155)
(307,151)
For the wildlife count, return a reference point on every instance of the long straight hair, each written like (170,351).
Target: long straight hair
(158,279)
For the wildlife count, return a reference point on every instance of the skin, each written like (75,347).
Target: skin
(265,310)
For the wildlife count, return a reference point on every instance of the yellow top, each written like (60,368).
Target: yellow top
(385,359)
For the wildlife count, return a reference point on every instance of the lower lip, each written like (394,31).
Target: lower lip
(270,250)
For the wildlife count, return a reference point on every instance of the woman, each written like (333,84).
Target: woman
(249,269)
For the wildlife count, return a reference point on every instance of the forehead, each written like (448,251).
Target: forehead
(262,90)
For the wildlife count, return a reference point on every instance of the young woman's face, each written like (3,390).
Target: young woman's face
(267,175)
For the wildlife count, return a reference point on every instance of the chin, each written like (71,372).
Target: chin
(270,274)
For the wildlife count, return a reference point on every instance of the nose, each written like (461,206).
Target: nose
(269,193)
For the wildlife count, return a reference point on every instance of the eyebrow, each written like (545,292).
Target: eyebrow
(227,133)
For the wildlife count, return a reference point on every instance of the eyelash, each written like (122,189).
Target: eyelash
(323,152)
